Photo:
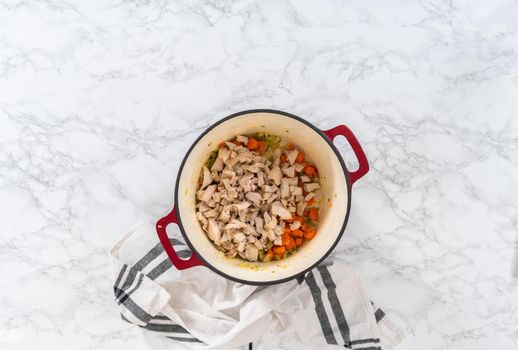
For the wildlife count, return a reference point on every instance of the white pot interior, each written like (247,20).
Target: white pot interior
(333,206)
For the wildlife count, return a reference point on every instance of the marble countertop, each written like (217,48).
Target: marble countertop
(100,100)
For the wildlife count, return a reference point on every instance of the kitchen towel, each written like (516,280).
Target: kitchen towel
(198,309)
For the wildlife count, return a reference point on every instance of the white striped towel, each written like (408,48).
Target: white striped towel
(198,309)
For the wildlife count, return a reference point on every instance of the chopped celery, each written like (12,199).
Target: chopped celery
(261,254)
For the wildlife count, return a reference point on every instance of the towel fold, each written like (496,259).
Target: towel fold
(199,309)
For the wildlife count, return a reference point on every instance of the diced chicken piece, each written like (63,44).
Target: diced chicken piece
(260,178)
(259,224)
(252,168)
(285,188)
(231,253)
(241,248)
(231,162)
(239,237)
(311,187)
(289,171)
(228,174)
(235,225)
(277,241)
(241,206)
(267,217)
(207,178)
(272,198)
(295,225)
(259,245)
(292,181)
(309,196)
(213,213)
(202,219)
(242,139)
(213,231)
(279,210)
(305,179)
(254,197)
(207,194)
(251,252)
(271,224)
(230,145)
(225,213)
(224,154)
(246,182)
(296,190)
(298,167)
(291,156)
(301,206)
(202,207)
(299,198)
(218,164)
(267,188)
(243,214)
(245,157)
(252,216)
(275,175)
(270,234)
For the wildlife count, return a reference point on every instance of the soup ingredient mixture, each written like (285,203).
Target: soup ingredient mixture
(258,198)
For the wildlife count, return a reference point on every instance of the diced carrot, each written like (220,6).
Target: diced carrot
(311,201)
(303,226)
(310,234)
(290,220)
(298,241)
(270,253)
(309,170)
(300,157)
(221,144)
(300,218)
(297,233)
(285,238)
(239,143)
(252,143)
(279,249)
(313,214)
(261,147)
(287,229)
(290,146)
(283,158)
(291,244)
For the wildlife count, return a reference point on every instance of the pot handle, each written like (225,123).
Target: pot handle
(363,164)
(180,264)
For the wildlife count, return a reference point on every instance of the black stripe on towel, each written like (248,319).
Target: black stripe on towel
(128,293)
(161,327)
(187,340)
(166,264)
(369,348)
(121,273)
(363,341)
(335,303)
(132,307)
(320,310)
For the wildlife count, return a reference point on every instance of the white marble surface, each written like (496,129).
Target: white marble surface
(99,100)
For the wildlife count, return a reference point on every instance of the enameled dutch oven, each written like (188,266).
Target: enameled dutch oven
(336,182)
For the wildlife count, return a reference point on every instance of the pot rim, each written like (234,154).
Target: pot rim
(333,148)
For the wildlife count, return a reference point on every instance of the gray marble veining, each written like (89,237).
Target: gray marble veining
(100,100)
